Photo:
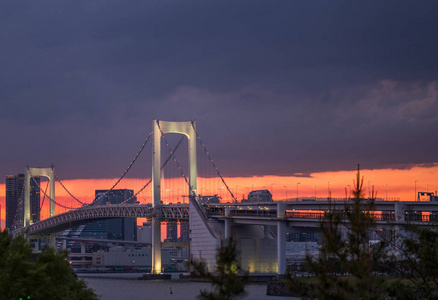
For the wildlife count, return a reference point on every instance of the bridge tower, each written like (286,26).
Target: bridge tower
(46,172)
(159,128)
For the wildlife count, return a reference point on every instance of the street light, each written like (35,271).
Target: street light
(349,192)
(386,188)
(369,189)
(272,188)
(427,188)
(297,190)
(416,198)
(314,187)
(285,186)
(328,190)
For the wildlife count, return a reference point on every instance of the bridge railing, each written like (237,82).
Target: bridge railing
(377,216)
(254,212)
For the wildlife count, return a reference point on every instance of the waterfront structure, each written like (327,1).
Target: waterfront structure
(144,233)
(15,200)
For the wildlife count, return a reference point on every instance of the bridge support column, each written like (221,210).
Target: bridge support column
(227,222)
(64,244)
(267,231)
(156,246)
(227,228)
(82,247)
(399,212)
(36,247)
(281,247)
(281,239)
(52,241)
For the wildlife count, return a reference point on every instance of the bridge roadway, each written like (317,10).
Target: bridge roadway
(88,214)
(298,213)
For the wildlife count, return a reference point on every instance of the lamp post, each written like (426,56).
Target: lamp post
(427,188)
(349,191)
(369,196)
(415,196)
(272,188)
(328,190)
(386,190)
(297,190)
(236,191)
(314,188)
(286,191)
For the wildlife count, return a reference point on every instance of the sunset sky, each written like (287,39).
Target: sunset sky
(282,91)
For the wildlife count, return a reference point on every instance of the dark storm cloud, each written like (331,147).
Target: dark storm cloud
(278,87)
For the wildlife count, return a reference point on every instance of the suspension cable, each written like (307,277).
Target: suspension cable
(126,171)
(115,184)
(172,153)
(162,167)
(41,206)
(63,186)
(212,162)
(50,198)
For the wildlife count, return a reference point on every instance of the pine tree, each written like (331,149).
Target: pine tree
(228,279)
(345,266)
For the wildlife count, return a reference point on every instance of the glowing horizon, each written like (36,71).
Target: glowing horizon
(391,184)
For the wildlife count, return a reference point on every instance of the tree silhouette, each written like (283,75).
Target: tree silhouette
(345,266)
(228,278)
(49,276)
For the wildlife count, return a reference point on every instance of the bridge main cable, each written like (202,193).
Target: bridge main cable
(214,165)
(162,166)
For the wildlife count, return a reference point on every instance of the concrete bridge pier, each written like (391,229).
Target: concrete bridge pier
(36,247)
(156,246)
(82,247)
(267,231)
(52,241)
(227,223)
(281,239)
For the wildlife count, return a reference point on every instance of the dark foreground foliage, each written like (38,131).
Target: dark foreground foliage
(47,277)
(228,278)
(348,267)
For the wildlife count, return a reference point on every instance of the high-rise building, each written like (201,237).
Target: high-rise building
(116,229)
(172,231)
(184,232)
(15,200)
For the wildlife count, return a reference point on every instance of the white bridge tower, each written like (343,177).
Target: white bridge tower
(159,128)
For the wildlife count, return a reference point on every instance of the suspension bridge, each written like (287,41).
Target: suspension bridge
(260,228)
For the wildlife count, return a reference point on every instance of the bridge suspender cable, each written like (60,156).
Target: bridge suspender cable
(214,165)
(44,198)
(126,171)
(162,166)
(172,153)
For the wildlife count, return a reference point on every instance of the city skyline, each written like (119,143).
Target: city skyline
(294,91)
